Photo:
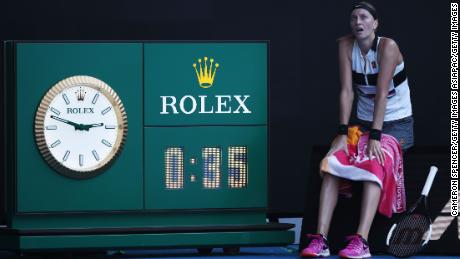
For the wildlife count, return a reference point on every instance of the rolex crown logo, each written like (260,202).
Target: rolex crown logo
(206,73)
(80,95)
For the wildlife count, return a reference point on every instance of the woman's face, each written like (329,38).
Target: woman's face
(362,23)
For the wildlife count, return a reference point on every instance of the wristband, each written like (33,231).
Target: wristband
(375,134)
(343,129)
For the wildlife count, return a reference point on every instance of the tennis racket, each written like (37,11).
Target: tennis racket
(413,230)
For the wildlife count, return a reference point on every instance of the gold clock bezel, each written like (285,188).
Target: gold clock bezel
(122,120)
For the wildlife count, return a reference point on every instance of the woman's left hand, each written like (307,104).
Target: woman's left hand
(374,149)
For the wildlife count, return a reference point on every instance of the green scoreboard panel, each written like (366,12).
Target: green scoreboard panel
(137,145)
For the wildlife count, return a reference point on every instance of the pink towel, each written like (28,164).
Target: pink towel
(356,166)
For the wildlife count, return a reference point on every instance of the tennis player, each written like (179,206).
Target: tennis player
(372,151)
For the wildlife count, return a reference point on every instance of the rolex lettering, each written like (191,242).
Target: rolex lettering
(80,110)
(189,104)
(80,126)
(217,104)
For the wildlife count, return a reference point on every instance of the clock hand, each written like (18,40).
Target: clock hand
(88,126)
(75,125)
(96,125)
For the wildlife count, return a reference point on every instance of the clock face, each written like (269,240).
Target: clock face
(80,126)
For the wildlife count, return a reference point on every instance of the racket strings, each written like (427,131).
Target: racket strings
(408,236)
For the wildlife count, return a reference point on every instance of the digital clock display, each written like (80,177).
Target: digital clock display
(211,169)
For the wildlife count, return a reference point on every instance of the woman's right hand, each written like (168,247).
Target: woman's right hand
(339,143)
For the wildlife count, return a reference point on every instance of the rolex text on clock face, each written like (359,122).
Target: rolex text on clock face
(83,126)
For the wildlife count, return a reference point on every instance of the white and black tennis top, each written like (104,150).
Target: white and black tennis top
(365,71)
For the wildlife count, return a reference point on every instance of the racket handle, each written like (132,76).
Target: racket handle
(429,180)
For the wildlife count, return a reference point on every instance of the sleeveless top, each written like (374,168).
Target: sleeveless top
(365,69)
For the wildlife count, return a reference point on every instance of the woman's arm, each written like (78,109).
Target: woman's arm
(346,85)
(389,56)
(346,91)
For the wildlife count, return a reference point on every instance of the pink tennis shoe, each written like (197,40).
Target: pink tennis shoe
(357,248)
(318,246)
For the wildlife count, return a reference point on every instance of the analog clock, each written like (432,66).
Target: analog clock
(80,126)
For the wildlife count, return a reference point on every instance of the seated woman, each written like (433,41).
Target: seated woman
(362,153)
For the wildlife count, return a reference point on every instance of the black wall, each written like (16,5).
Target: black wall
(303,59)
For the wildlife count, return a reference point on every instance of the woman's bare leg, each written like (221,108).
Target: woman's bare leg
(327,202)
(370,202)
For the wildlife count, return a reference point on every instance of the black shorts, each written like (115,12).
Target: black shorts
(402,130)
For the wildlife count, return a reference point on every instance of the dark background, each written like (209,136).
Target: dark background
(304,81)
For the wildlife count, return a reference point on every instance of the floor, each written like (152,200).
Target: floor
(248,252)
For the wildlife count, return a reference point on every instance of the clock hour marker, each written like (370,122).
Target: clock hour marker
(80,95)
(80,158)
(96,156)
(105,142)
(56,111)
(57,142)
(110,126)
(66,155)
(51,127)
(106,110)
(95,98)
(66,99)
